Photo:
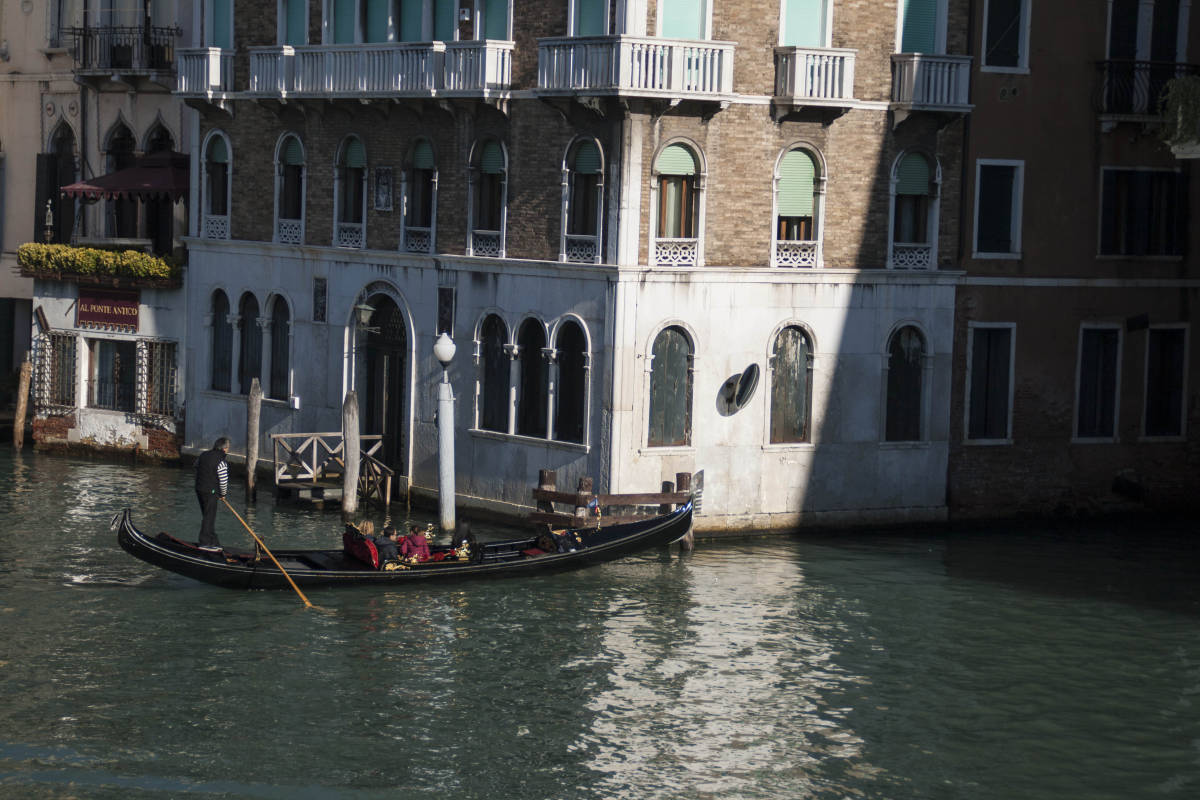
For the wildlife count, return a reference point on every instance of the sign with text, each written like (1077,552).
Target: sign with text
(105,308)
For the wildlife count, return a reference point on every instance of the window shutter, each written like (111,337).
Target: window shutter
(423,155)
(445,19)
(912,175)
(804,23)
(920,26)
(354,155)
(491,160)
(293,153)
(218,151)
(676,160)
(589,18)
(411,22)
(495,19)
(343,21)
(297,23)
(796,173)
(378,12)
(587,159)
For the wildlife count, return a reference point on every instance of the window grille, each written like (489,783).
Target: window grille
(55,371)
(157,374)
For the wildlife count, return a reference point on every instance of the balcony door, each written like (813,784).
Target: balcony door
(219,30)
(588,19)
(919,27)
(683,19)
(804,23)
(387,371)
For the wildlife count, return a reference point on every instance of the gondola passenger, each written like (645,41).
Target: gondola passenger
(415,547)
(387,544)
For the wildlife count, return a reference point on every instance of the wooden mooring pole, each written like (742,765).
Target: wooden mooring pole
(351,454)
(253,416)
(22,402)
(683,483)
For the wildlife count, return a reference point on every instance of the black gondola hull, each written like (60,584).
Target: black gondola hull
(312,568)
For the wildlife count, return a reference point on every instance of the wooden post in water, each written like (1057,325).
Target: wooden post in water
(585,487)
(22,403)
(351,454)
(253,416)
(547,479)
(667,488)
(683,482)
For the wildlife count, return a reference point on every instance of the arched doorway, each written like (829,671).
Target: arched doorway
(385,362)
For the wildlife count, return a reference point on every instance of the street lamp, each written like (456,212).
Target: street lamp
(362,315)
(443,351)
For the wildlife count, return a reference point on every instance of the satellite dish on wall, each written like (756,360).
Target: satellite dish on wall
(737,390)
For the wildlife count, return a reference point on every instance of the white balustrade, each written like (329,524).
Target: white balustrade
(796,253)
(289,231)
(912,256)
(389,69)
(931,81)
(215,227)
(636,65)
(676,252)
(204,71)
(477,66)
(487,243)
(821,74)
(349,234)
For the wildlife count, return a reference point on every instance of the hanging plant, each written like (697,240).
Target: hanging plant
(1180,107)
(55,260)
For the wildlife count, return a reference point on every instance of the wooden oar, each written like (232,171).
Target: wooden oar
(268,552)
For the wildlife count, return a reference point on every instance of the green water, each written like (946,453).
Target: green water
(1035,663)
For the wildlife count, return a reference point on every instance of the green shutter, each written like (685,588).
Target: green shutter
(804,23)
(676,160)
(796,173)
(218,151)
(423,155)
(587,159)
(920,26)
(495,19)
(411,21)
(445,20)
(912,175)
(354,155)
(683,19)
(343,21)
(293,153)
(297,23)
(589,18)
(219,36)
(491,160)
(378,12)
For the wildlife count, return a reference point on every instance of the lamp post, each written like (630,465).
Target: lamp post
(443,351)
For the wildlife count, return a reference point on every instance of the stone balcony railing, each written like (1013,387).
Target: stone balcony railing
(204,72)
(636,66)
(925,82)
(477,68)
(806,76)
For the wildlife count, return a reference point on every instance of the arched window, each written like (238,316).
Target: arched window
(531,391)
(494,363)
(797,207)
(583,199)
(571,391)
(487,202)
(158,213)
(420,200)
(914,213)
(670,390)
(905,374)
(677,217)
(222,343)
(159,140)
(289,191)
(217,160)
(250,352)
(350,194)
(281,328)
(121,217)
(56,169)
(791,387)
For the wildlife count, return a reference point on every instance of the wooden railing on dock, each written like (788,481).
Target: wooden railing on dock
(314,458)
(613,509)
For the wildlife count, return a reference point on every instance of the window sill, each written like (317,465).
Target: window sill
(776,447)
(915,445)
(480,433)
(986,442)
(1086,440)
(1132,257)
(996,256)
(1023,70)
(669,450)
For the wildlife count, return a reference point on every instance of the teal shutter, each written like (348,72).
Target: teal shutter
(589,18)
(296,23)
(378,12)
(423,155)
(218,151)
(491,160)
(587,159)
(920,26)
(445,18)
(683,19)
(796,173)
(804,23)
(293,153)
(912,176)
(343,21)
(495,19)
(676,160)
(220,36)
(354,155)
(411,21)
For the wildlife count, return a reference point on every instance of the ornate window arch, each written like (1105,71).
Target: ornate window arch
(487,199)
(915,195)
(419,186)
(582,227)
(216,186)
(350,194)
(291,177)
(677,184)
(906,366)
(799,207)
(671,367)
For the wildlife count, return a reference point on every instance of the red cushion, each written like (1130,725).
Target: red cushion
(534,551)
(360,547)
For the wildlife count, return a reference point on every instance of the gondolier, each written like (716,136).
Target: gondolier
(212,482)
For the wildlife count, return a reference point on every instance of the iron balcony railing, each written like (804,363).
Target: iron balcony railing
(130,47)
(1136,87)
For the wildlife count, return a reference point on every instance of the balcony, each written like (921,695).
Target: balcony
(477,69)
(387,70)
(1133,90)
(814,77)
(205,73)
(938,84)
(124,53)
(636,66)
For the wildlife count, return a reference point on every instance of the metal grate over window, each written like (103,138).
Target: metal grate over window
(55,370)
(157,375)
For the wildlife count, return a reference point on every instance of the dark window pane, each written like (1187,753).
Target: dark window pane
(1097,383)
(291,191)
(995,209)
(990,359)
(250,354)
(222,343)
(280,331)
(494,414)
(572,384)
(671,390)
(531,398)
(1164,382)
(791,387)
(905,368)
(1003,46)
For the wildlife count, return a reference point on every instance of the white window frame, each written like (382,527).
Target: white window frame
(1012,359)
(474,172)
(568,184)
(205,198)
(1016,208)
(933,214)
(279,185)
(701,204)
(1075,437)
(819,184)
(1022,67)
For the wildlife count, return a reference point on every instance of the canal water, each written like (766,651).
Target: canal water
(1009,662)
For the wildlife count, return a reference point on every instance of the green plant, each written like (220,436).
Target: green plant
(1180,107)
(60,259)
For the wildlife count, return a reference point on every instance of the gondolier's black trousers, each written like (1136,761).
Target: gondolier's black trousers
(208,526)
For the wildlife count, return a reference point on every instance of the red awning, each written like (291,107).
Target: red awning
(153,176)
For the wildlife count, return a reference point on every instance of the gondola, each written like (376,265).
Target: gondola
(509,558)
